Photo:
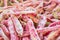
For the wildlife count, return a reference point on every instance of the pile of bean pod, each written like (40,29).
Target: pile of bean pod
(29,19)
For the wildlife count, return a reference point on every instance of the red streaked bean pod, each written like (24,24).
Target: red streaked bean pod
(18,26)
(5,30)
(54,24)
(48,29)
(3,35)
(53,35)
(42,22)
(11,28)
(32,30)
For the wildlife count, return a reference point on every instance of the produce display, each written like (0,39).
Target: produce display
(29,19)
